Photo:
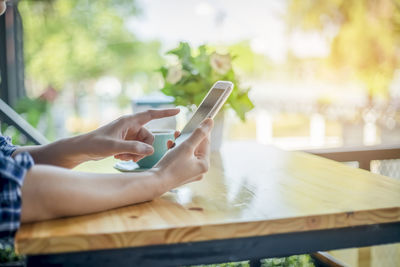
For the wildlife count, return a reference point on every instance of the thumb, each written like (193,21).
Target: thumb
(132,147)
(201,132)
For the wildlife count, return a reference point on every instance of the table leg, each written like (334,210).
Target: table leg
(255,263)
(364,257)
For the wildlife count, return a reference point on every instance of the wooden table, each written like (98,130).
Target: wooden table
(255,202)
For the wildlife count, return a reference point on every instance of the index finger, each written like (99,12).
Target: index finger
(151,114)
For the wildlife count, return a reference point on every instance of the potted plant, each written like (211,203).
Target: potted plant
(196,70)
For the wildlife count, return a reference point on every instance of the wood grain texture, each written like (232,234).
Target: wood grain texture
(250,190)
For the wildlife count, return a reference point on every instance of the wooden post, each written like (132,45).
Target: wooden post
(12,85)
(365,164)
(364,257)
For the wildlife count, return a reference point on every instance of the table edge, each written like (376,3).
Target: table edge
(193,233)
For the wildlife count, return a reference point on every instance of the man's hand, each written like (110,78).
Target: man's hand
(187,162)
(50,192)
(125,138)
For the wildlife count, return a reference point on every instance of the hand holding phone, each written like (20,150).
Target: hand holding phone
(208,108)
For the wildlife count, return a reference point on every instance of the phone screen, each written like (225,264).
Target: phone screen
(203,110)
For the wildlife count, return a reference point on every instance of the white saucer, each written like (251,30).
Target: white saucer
(128,166)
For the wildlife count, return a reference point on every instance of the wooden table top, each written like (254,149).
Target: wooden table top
(250,190)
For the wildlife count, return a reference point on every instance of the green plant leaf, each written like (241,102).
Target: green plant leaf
(164,71)
(202,63)
(183,52)
(199,77)
(241,104)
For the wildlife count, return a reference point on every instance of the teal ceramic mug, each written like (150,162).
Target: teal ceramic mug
(161,138)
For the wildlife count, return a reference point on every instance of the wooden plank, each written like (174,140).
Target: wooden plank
(250,190)
(363,153)
(364,257)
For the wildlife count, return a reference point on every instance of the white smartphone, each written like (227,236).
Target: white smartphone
(208,108)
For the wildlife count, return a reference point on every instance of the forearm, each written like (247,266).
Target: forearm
(51,192)
(67,152)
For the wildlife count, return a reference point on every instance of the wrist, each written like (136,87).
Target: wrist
(72,150)
(81,148)
(140,187)
(161,179)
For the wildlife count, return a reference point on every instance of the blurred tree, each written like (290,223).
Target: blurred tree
(367,36)
(76,40)
(250,62)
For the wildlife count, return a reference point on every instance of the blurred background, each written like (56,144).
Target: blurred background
(321,73)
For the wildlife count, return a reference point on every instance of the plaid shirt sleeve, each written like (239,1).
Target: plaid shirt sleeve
(12,174)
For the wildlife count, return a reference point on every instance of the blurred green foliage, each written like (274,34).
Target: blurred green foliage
(33,110)
(197,70)
(67,42)
(292,261)
(7,253)
(367,39)
(248,62)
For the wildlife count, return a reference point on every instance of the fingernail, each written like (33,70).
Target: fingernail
(148,149)
(207,123)
(173,145)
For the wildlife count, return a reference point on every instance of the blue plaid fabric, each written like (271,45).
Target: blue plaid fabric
(12,174)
